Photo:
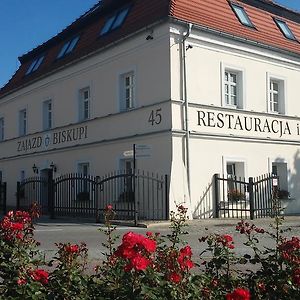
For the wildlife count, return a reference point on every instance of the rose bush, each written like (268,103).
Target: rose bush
(150,266)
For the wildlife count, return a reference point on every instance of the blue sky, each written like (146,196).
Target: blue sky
(24,24)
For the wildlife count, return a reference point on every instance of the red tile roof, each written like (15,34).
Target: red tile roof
(213,14)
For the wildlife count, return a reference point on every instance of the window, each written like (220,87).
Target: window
(114,21)
(1,129)
(68,47)
(127,91)
(35,65)
(276,103)
(22,122)
(126,190)
(84,168)
(84,104)
(83,184)
(1,176)
(47,114)
(230,88)
(284,28)
(22,175)
(241,15)
(280,169)
(235,175)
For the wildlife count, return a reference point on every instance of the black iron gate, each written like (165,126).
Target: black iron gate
(142,195)
(34,190)
(3,197)
(238,198)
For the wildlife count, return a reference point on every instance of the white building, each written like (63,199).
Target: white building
(210,86)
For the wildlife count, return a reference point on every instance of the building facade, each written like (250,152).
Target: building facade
(210,87)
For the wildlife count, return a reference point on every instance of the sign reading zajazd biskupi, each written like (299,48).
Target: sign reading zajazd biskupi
(246,124)
(52,139)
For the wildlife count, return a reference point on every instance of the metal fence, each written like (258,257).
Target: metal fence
(3,197)
(142,195)
(238,198)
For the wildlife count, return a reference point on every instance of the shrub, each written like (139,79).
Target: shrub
(151,266)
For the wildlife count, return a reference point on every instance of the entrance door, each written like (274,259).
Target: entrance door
(46,175)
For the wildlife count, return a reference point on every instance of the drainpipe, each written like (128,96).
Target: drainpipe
(186,104)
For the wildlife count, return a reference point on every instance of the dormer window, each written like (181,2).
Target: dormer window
(241,15)
(284,28)
(115,21)
(35,64)
(68,47)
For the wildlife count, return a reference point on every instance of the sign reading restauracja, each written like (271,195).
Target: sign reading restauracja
(246,124)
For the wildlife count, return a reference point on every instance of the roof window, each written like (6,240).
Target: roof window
(35,64)
(115,21)
(68,47)
(241,15)
(284,28)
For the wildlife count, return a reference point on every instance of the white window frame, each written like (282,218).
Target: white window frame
(240,86)
(2,129)
(22,175)
(83,102)
(232,160)
(124,103)
(23,122)
(80,164)
(47,115)
(282,94)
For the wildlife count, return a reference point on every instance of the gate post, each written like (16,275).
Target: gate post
(251,198)
(18,195)
(136,217)
(51,194)
(167,197)
(217,194)
(97,186)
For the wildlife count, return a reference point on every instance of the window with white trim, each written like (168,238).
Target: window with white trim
(22,122)
(233,87)
(47,115)
(126,189)
(276,101)
(127,91)
(1,129)
(84,104)
(235,174)
(84,168)
(83,184)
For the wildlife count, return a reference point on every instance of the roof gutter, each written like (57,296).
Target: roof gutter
(239,39)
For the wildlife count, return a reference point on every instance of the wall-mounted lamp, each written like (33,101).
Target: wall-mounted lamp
(53,167)
(35,169)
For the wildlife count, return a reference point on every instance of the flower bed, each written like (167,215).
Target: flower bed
(149,266)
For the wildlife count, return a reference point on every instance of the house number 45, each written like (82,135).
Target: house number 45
(155,117)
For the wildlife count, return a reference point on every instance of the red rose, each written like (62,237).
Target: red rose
(21,281)
(296,277)
(140,263)
(238,294)
(40,276)
(17,226)
(149,245)
(175,277)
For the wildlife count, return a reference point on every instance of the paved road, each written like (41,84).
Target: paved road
(48,232)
